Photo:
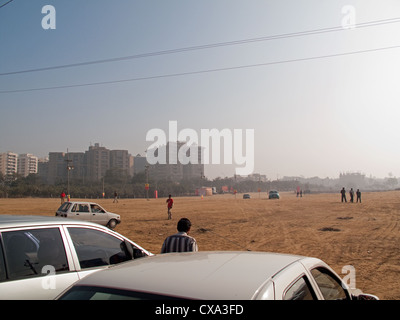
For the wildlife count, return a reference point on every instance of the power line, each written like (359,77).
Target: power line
(202,71)
(207,46)
(6,3)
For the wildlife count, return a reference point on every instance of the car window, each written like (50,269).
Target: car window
(331,287)
(96,248)
(300,290)
(28,251)
(2,264)
(103,293)
(96,209)
(83,208)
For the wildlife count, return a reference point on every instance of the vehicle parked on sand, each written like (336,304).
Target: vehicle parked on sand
(42,256)
(88,211)
(215,276)
(273,195)
(246,196)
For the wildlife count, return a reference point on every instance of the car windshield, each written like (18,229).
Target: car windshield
(65,206)
(102,293)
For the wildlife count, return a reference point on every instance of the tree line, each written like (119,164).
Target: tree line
(130,187)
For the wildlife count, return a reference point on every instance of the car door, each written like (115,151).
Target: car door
(98,214)
(96,248)
(35,263)
(82,211)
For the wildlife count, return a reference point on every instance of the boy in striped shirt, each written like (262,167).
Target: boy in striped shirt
(180,242)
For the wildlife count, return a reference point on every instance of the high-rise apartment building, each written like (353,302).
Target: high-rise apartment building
(139,164)
(173,169)
(27,164)
(57,167)
(120,159)
(8,163)
(97,162)
(90,165)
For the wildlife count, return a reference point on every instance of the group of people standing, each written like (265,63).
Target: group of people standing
(351,193)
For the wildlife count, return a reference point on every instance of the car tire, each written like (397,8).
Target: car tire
(112,223)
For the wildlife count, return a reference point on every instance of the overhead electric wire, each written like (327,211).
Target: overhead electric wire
(207,46)
(1,6)
(202,71)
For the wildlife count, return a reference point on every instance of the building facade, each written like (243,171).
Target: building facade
(27,164)
(172,168)
(90,165)
(8,163)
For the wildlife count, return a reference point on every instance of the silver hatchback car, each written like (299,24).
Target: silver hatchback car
(88,211)
(42,256)
(216,276)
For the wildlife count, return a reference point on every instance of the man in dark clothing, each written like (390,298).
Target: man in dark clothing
(358,193)
(180,242)
(351,195)
(343,192)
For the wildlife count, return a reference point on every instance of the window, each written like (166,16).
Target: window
(104,293)
(83,208)
(28,251)
(2,265)
(300,290)
(96,209)
(329,285)
(96,248)
(64,207)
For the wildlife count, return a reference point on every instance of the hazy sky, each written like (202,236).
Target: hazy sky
(336,113)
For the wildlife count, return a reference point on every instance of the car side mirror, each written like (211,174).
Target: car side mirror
(133,252)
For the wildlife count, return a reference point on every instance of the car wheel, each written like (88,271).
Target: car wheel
(112,223)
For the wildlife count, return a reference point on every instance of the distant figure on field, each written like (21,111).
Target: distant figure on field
(180,242)
(170,203)
(351,195)
(115,197)
(62,196)
(358,193)
(343,192)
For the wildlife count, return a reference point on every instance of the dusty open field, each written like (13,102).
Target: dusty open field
(365,235)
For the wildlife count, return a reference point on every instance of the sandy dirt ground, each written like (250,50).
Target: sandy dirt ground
(365,236)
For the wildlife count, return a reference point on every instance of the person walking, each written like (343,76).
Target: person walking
(170,203)
(358,194)
(115,197)
(181,241)
(343,192)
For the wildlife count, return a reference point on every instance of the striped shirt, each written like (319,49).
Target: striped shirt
(179,242)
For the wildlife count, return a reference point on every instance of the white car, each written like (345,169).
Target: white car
(88,211)
(42,256)
(215,276)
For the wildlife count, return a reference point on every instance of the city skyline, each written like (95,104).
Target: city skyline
(138,155)
(316,81)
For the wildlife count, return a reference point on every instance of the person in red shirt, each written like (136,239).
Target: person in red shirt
(62,196)
(170,203)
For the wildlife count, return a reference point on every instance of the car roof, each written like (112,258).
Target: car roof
(82,202)
(12,221)
(201,275)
